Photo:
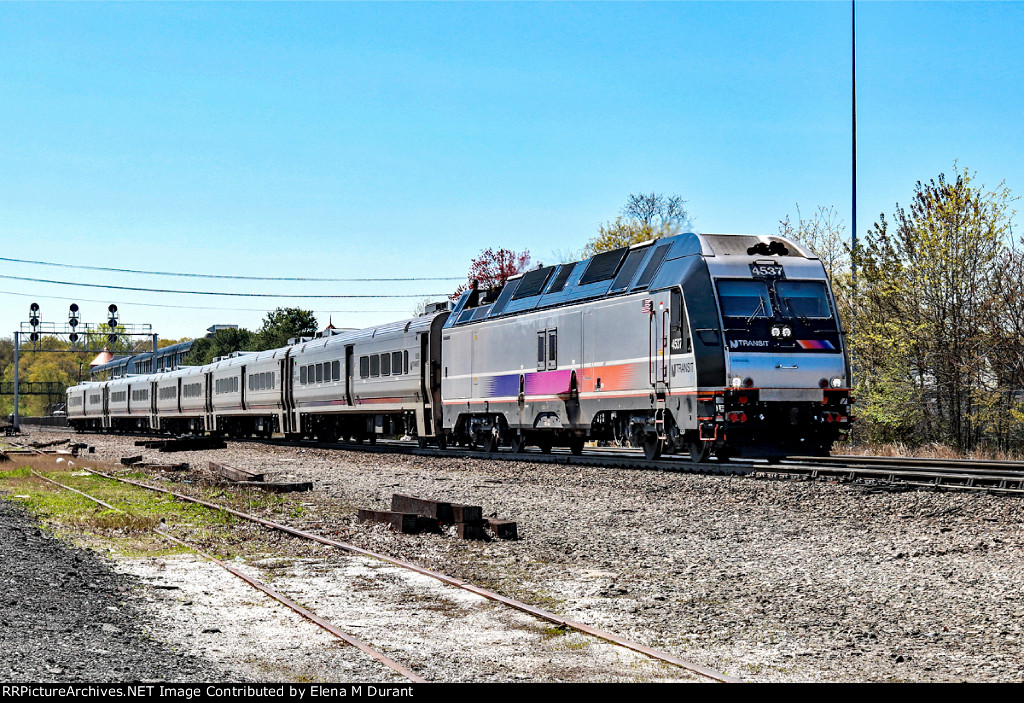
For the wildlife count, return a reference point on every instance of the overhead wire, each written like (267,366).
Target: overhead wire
(180,307)
(229,276)
(236,295)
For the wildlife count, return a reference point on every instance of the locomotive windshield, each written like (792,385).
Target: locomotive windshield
(748,299)
(804,299)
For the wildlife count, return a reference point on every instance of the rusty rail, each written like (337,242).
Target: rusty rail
(284,600)
(451,581)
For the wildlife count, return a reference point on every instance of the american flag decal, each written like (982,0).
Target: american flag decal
(647,307)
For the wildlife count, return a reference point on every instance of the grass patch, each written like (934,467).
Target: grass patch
(131,532)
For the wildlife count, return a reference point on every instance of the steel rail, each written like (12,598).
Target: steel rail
(932,478)
(449,580)
(259,585)
(1013,467)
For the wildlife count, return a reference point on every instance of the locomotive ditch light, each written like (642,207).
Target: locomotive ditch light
(737,382)
(837,382)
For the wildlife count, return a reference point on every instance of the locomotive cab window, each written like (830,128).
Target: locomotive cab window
(749,299)
(804,299)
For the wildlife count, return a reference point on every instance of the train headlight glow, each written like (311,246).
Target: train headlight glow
(737,381)
(837,381)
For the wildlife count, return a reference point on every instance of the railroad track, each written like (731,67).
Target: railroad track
(1004,477)
(536,612)
(998,477)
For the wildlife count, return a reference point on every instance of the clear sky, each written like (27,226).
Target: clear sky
(351,140)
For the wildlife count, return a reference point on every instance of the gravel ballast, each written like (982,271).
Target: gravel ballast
(767,580)
(67,616)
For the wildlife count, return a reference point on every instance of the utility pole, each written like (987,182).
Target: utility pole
(853,35)
(14,417)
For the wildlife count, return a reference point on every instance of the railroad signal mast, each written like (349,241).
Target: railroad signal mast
(78,336)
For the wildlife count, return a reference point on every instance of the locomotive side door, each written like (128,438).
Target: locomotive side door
(658,344)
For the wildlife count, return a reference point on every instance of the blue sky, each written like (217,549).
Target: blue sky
(352,140)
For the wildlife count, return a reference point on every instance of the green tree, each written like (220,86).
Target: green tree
(644,216)
(223,343)
(283,324)
(926,309)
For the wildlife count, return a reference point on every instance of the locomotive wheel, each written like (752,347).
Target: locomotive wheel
(490,444)
(652,447)
(518,443)
(699,451)
(576,446)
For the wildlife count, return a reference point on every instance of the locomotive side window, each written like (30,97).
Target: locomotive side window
(541,343)
(744,299)
(302,375)
(375,365)
(364,367)
(552,349)
(319,373)
(679,332)
(804,298)
(385,364)
(336,370)
(396,363)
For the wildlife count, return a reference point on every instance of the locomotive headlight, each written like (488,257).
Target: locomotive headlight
(776,331)
(837,381)
(737,381)
(787,332)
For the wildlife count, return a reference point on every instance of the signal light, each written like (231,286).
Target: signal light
(111,338)
(73,315)
(34,336)
(73,337)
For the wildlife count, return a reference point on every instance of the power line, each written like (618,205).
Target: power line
(237,278)
(183,307)
(234,295)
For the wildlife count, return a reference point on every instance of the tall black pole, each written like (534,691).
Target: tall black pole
(853,35)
